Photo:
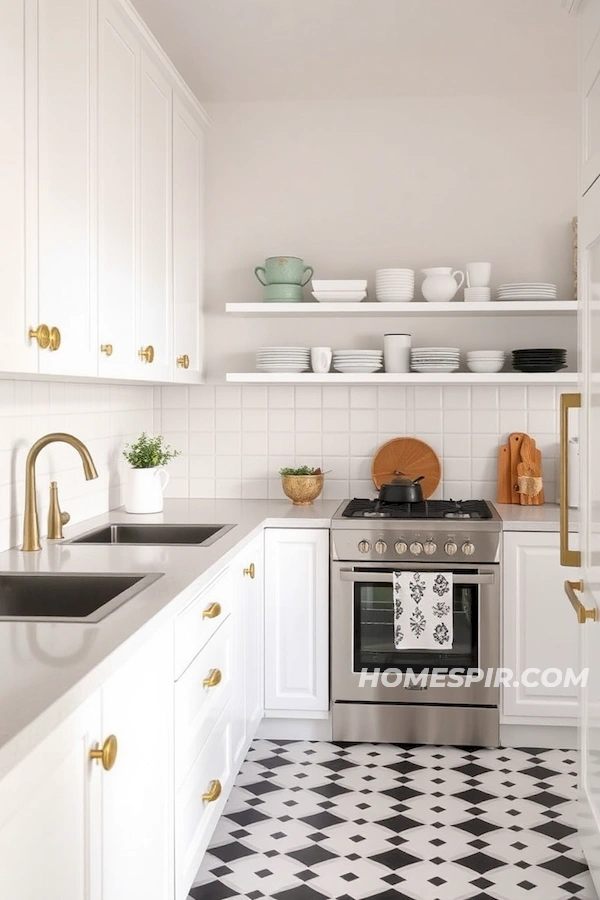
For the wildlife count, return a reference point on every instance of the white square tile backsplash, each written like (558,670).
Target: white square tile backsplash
(339,428)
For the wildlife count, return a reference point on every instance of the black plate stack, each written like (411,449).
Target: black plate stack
(539,360)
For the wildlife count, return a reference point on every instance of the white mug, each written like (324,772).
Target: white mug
(479,274)
(320,359)
(396,352)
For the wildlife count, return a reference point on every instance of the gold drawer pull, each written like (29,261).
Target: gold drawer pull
(41,334)
(107,754)
(213,793)
(251,571)
(146,354)
(212,611)
(583,613)
(55,338)
(107,349)
(183,361)
(214,678)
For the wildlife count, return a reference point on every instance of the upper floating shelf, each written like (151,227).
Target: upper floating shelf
(415,308)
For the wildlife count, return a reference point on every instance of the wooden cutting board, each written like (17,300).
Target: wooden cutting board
(411,457)
(515,442)
(504,491)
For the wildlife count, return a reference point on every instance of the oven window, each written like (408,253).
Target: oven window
(374,631)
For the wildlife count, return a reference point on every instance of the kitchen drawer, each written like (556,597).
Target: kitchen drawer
(195,817)
(197,706)
(199,621)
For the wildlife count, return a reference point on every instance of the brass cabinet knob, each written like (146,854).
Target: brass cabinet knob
(251,571)
(107,754)
(41,334)
(147,354)
(183,361)
(107,349)
(212,611)
(214,791)
(213,679)
(55,338)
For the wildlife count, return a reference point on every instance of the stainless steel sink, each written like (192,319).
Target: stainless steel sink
(198,535)
(80,597)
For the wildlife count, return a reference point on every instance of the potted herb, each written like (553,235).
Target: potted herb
(302,485)
(147,477)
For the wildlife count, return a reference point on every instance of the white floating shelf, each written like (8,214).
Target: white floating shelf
(559,378)
(416,308)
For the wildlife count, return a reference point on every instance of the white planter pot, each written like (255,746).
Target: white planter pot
(144,490)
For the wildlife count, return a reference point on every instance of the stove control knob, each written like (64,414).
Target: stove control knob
(430,547)
(416,548)
(380,547)
(364,546)
(401,547)
(450,548)
(468,548)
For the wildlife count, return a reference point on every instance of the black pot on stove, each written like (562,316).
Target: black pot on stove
(402,489)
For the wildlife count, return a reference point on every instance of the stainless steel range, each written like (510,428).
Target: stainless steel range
(370,541)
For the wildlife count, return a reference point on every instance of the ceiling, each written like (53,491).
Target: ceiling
(260,50)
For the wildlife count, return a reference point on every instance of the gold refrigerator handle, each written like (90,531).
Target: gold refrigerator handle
(568,557)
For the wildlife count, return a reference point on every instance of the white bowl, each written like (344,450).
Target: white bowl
(485,365)
(486,354)
(339,296)
(340,284)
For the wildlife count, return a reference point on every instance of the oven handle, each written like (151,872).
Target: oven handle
(388,577)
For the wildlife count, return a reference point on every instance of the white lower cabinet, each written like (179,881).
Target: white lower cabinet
(296,620)
(49,822)
(539,630)
(137,794)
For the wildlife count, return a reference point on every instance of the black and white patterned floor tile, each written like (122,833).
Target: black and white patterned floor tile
(321,821)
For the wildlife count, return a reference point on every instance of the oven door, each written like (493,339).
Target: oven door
(363,636)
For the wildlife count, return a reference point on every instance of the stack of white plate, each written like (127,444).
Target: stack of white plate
(435,359)
(357,361)
(485,360)
(527,291)
(329,290)
(394,285)
(283,359)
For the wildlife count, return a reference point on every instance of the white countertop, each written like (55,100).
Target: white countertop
(48,669)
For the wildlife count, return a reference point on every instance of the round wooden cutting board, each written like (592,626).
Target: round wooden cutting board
(410,456)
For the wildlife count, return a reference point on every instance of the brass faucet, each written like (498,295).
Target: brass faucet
(31,531)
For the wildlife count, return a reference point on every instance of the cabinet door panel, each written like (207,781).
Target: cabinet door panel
(67,299)
(253,596)
(16,354)
(137,804)
(540,630)
(590,94)
(119,53)
(155,300)
(187,240)
(297,619)
(49,807)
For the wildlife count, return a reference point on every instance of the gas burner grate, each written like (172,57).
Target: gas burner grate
(429,509)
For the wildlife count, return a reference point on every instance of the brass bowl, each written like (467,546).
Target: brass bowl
(302,489)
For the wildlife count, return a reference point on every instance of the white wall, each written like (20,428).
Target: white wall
(354,186)
(103,416)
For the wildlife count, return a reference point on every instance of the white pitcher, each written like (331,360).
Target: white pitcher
(440,283)
(144,490)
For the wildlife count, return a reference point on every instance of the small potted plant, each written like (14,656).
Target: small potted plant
(147,477)
(302,485)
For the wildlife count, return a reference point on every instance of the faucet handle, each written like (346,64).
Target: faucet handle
(56,518)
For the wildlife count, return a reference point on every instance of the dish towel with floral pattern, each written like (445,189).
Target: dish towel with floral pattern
(423,610)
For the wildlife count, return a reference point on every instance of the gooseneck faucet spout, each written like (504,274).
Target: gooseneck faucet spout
(31,531)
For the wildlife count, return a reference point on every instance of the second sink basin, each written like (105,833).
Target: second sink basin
(198,535)
(81,597)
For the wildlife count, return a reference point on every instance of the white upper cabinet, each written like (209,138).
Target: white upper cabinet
(590,93)
(188,167)
(118,75)
(16,353)
(155,294)
(93,237)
